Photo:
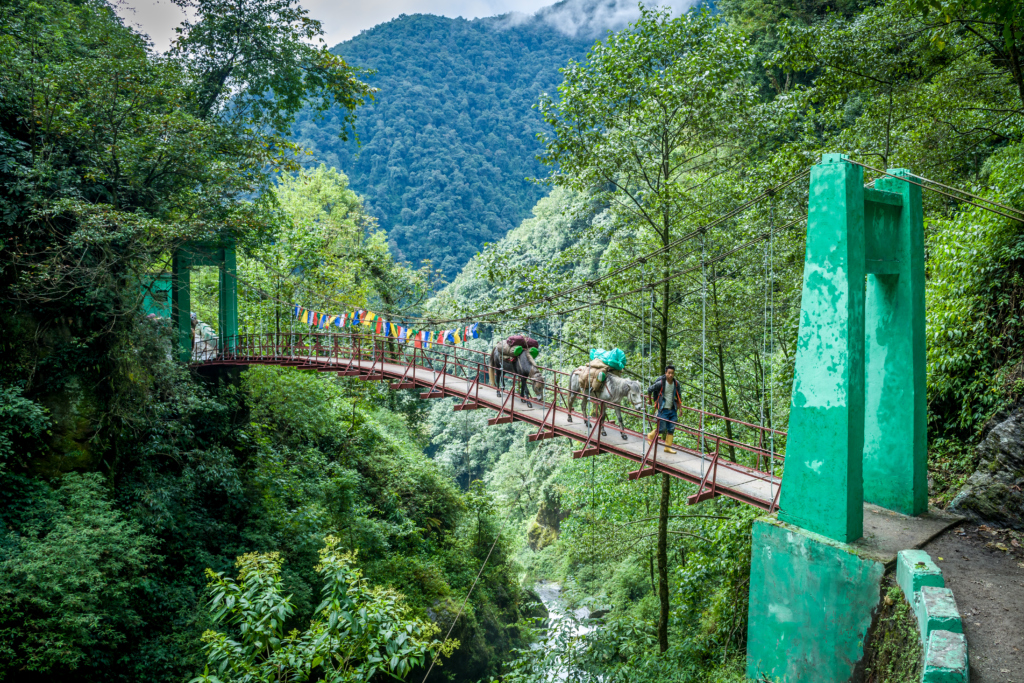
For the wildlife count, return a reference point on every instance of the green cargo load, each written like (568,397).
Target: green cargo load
(614,358)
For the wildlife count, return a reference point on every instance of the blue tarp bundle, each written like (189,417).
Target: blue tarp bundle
(615,358)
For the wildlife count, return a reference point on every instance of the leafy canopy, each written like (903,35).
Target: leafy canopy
(254,61)
(356,631)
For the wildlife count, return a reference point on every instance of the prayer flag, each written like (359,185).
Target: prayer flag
(456,337)
(380,324)
(473,332)
(401,334)
(322,322)
(298,308)
(305,317)
(355,317)
(340,320)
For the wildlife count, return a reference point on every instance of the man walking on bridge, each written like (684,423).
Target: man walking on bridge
(666,395)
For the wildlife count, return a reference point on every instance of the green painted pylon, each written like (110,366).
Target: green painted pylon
(857,417)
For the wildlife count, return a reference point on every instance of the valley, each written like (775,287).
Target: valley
(255,292)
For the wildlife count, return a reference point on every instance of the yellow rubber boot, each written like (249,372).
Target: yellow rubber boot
(668,444)
(653,435)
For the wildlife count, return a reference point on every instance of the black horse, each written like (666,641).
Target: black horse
(520,367)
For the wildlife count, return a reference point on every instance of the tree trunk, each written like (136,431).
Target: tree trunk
(663,331)
(1015,68)
(666,492)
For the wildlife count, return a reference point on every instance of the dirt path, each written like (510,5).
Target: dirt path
(985,569)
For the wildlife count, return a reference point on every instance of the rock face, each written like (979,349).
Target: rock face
(993,494)
(544,528)
(533,606)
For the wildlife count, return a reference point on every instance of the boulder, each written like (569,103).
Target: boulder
(550,513)
(539,536)
(532,606)
(993,494)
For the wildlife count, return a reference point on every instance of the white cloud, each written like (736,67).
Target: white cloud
(342,19)
(155,18)
(591,18)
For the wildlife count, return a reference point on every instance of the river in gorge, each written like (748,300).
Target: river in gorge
(550,594)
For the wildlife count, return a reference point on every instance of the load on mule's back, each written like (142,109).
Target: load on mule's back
(600,380)
(602,363)
(515,356)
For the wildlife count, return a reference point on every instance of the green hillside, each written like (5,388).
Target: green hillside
(446,152)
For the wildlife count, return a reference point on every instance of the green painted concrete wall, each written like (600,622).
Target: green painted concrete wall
(156,294)
(895,439)
(822,489)
(857,414)
(811,605)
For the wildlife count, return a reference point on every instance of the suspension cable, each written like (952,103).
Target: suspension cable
(1019,218)
(628,265)
(464,603)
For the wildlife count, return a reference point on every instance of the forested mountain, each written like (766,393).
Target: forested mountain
(446,151)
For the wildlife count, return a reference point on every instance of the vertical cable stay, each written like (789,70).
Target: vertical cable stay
(703,347)
(771,340)
(764,341)
(644,359)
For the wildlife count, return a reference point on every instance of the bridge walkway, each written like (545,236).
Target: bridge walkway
(701,461)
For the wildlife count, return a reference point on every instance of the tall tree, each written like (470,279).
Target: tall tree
(254,61)
(643,124)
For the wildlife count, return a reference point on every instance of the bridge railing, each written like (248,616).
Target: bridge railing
(723,441)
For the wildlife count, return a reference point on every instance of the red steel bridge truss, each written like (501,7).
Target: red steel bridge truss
(744,463)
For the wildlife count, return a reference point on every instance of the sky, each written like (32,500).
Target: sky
(341,19)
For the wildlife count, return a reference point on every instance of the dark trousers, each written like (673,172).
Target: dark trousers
(664,426)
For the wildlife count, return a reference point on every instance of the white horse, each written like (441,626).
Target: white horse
(615,389)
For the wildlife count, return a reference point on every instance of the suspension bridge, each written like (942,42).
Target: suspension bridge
(448,371)
(857,418)
(746,462)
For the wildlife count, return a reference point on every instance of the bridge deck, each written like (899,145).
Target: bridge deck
(724,477)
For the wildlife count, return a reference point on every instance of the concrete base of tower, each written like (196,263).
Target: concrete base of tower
(812,601)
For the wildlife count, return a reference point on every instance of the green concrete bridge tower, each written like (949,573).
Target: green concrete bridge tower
(856,426)
(220,255)
(857,417)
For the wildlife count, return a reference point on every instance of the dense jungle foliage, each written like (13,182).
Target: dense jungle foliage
(157,524)
(163,523)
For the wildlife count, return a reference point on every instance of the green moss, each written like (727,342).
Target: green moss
(540,536)
(893,652)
